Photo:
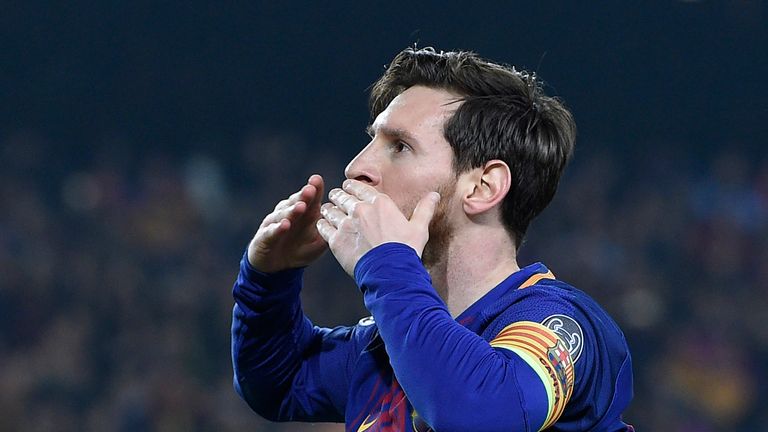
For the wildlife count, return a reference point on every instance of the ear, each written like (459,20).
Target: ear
(487,186)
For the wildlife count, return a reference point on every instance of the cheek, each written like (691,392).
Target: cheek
(405,195)
(406,202)
(411,191)
(402,187)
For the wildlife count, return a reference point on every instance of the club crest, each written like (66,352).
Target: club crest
(569,331)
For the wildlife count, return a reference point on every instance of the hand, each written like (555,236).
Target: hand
(287,238)
(359,218)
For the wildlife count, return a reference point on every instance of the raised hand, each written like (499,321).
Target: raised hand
(288,238)
(359,218)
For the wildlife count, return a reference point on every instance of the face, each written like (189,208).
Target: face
(408,156)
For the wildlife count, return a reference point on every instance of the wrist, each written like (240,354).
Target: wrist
(396,257)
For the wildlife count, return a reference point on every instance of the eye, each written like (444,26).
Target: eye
(400,146)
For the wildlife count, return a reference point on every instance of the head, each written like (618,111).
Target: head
(478,123)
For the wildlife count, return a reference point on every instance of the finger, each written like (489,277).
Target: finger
(343,200)
(360,190)
(291,213)
(332,214)
(317,182)
(310,192)
(425,210)
(272,232)
(297,196)
(325,229)
(291,200)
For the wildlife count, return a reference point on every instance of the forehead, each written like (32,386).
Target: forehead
(419,110)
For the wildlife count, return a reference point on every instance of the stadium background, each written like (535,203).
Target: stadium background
(142,142)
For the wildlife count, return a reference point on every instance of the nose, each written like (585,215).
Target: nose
(364,167)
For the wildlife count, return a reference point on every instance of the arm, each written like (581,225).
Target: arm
(277,353)
(285,368)
(465,375)
(449,373)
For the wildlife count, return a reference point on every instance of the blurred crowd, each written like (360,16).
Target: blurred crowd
(117,262)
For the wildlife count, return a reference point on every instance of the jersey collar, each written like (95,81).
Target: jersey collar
(521,279)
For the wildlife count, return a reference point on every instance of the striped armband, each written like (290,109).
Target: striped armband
(548,356)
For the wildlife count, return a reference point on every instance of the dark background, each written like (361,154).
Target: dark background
(141,143)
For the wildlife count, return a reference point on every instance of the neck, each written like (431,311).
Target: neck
(473,264)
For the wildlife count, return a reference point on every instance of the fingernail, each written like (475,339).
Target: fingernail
(435,197)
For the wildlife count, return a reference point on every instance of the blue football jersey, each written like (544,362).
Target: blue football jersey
(532,354)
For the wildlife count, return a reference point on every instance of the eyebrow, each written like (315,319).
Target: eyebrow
(395,133)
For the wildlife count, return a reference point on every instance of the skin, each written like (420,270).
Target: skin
(394,179)
(391,195)
(287,237)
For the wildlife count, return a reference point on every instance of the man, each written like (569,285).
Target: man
(464,153)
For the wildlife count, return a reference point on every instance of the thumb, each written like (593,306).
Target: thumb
(425,209)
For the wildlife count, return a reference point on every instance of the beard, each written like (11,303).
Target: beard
(440,229)
(440,234)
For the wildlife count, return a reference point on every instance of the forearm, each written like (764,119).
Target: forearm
(449,373)
(269,335)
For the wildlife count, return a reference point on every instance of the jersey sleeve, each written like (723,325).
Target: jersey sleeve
(286,368)
(456,379)
(590,387)
(543,351)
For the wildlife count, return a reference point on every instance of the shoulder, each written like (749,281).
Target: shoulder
(558,310)
(558,306)
(556,317)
